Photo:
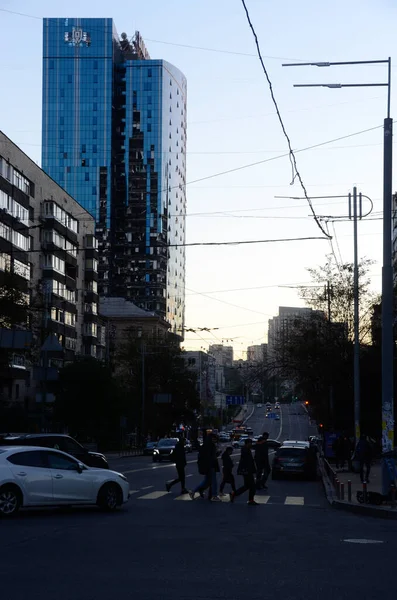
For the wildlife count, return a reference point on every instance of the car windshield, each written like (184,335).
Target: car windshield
(165,443)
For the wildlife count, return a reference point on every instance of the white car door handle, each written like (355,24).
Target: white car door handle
(22,474)
(58,476)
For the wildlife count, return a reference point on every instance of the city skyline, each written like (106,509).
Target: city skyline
(232,123)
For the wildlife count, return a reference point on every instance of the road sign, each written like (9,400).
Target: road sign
(235,400)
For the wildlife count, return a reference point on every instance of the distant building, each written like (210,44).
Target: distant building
(282,326)
(114,136)
(257,354)
(223,354)
(204,366)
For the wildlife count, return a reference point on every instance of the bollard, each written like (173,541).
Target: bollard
(337,485)
(349,491)
(342,491)
(365,492)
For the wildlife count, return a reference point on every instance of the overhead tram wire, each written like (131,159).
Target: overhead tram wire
(291,154)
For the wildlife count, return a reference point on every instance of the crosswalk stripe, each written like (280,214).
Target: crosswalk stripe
(134,491)
(262,499)
(183,497)
(294,500)
(153,496)
(147,487)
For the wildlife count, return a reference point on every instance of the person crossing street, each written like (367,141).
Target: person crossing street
(179,456)
(247,469)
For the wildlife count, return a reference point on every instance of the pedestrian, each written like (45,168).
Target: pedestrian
(208,466)
(247,469)
(179,456)
(262,461)
(363,454)
(227,470)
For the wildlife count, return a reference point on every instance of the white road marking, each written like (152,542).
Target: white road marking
(262,499)
(134,491)
(183,497)
(147,487)
(363,541)
(153,496)
(294,500)
(190,475)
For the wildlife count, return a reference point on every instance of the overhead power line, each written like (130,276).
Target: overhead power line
(291,154)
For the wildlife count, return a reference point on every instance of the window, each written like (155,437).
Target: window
(53,262)
(91,264)
(61,462)
(20,240)
(149,72)
(21,269)
(94,148)
(33,458)
(87,177)
(149,114)
(5,262)
(149,127)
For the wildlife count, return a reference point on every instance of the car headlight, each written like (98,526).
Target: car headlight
(155,451)
(123,477)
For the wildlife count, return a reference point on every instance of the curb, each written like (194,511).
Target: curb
(365,510)
(358,509)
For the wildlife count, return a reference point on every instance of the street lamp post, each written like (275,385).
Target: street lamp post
(143,349)
(387,269)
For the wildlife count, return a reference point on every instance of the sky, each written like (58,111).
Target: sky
(232,123)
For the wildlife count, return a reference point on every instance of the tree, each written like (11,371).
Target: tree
(339,280)
(13,301)
(90,401)
(165,372)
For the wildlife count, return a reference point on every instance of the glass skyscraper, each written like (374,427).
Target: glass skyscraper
(114,136)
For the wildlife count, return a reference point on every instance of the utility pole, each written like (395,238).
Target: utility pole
(143,387)
(328,295)
(387,268)
(356,215)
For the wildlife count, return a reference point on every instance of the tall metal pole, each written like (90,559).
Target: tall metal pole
(143,388)
(356,325)
(387,290)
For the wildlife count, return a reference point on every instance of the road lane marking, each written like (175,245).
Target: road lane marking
(294,500)
(363,541)
(134,491)
(153,496)
(183,497)
(147,487)
(262,499)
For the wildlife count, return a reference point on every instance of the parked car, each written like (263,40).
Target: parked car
(36,476)
(59,442)
(148,449)
(273,444)
(164,449)
(294,459)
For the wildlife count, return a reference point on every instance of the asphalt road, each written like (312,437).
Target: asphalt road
(158,547)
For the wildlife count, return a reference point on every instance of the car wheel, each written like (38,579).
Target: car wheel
(10,500)
(110,497)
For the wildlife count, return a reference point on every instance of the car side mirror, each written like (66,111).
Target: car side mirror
(79,467)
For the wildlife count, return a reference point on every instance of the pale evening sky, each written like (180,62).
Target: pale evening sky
(231,123)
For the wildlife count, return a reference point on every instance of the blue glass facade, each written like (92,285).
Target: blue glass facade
(114,136)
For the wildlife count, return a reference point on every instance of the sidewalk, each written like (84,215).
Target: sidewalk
(338,500)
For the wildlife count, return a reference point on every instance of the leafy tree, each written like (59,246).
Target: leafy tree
(340,279)
(90,401)
(165,373)
(13,301)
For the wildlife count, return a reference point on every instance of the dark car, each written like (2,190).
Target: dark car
(164,449)
(60,442)
(295,459)
(148,449)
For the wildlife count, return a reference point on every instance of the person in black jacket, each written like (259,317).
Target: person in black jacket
(179,457)
(228,476)
(262,461)
(247,469)
(208,465)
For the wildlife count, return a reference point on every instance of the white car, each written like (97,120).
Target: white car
(35,476)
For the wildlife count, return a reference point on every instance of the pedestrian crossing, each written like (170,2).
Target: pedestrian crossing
(145,495)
